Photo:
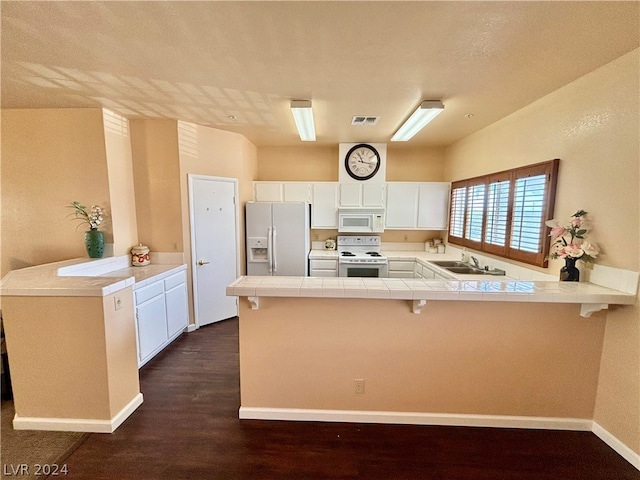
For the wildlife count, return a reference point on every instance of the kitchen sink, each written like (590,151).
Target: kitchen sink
(463,268)
(452,263)
(466,269)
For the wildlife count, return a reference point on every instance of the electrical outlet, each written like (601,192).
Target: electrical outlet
(405,237)
(117,303)
(316,236)
(359,386)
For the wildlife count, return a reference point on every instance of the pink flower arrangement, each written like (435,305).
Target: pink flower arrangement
(569,240)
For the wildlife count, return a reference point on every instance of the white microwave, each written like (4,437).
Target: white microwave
(361,220)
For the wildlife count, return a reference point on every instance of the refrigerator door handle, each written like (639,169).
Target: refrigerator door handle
(274,255)
(270,249)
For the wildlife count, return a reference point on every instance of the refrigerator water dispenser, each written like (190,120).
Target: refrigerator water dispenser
(258,249)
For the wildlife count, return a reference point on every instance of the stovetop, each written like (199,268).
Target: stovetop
(360,249)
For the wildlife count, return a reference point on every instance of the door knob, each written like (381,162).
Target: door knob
(202,262)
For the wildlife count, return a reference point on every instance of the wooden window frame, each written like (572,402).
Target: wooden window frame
(550,170)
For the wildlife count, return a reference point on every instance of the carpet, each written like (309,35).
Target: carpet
(31,448)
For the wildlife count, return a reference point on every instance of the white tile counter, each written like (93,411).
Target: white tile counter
(82,277)
(323,255)
(419,291)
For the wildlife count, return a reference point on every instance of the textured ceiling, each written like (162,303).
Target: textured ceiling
(236,65)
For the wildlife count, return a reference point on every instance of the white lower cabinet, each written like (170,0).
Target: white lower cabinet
(161,314)
(323,268)
(151,316)
(401,268)
(176,301)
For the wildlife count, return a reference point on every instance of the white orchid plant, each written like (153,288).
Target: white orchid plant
(93,217)
(568,241)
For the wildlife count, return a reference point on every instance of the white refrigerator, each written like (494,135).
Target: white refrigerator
(277,238)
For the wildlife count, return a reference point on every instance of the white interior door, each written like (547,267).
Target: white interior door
(214,247)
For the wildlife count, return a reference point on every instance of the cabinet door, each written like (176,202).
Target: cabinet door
(373,194)
(350,194)
(324,205)
(177,314)
(296,192)
(267,191)
(402,205)
(152,326)
(433,208)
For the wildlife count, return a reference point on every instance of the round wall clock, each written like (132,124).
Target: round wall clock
(362,161)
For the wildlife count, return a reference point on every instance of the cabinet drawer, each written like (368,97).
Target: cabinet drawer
(330,264)
(175,280)
(401,274)
(324,273)
(401,265)
(146,293)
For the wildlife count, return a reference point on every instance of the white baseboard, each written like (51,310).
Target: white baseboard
(78,424)
(620,448)
(415,418)
(192,327)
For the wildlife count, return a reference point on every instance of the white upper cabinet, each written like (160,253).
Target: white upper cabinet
(282,191)
(297,191)
(433,207)
(420,206)
(268,191)
(362,195)
(408,205)
(402,205)
(324,205)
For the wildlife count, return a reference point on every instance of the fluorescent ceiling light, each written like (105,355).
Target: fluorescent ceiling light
(427,111)
(303,116)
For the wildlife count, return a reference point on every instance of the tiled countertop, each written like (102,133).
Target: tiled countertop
(520,284)
(592,297)
(82,277)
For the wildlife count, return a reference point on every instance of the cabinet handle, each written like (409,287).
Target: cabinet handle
(202,262)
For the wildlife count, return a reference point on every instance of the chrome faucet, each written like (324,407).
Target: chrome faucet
(475,262)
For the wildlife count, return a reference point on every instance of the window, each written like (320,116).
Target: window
(504,213)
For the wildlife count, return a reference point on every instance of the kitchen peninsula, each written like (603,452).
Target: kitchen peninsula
(77,333)
(496,352)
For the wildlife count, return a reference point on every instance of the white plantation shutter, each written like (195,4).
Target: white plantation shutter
(528,207)
(495,232)
(475,212)
(458,203)
(504,213)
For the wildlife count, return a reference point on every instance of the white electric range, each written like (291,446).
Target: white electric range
(359,256)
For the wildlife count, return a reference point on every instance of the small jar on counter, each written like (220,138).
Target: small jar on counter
(140,255)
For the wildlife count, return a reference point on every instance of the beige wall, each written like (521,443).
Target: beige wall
(592,125)
(455,357)
(154,145)
(80,365)
(122,199)
(49,159)
(320,164)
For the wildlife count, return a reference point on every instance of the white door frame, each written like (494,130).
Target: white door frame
(191,177)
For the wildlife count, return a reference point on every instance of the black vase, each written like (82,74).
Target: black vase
(569,273)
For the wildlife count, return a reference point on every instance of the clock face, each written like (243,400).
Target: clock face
(362,162)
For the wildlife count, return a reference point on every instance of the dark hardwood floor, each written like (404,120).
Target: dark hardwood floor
(187,428)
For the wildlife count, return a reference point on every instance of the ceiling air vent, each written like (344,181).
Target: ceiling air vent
(364,120)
